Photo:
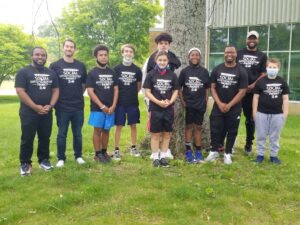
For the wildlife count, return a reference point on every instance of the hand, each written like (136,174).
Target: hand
(40,109)
(250,87)
(163,103)
(111,110)
(221,106)
(48,108)
(226,108)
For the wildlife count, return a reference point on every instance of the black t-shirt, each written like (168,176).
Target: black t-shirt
(103,82)
(38,84)
(253,61)
(194,81)
(174,62)
(71,77)
(229,80)
(162,86)
(128,78)
(270,93)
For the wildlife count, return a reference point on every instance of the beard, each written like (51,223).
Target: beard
(252,46)
(38,65)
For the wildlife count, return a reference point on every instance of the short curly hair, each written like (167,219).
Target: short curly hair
(100,48)
(163,37)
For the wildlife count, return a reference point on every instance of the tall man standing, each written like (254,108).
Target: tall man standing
(254,61)
(228,87)
(69,108)
(37,88)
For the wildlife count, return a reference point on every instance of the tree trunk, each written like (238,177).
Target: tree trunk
(185,21)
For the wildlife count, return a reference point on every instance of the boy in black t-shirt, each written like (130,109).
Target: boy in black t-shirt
(129,82)
(161,87)
(37,88)
(102,88)
(228,86)
(270,110)
(194,80)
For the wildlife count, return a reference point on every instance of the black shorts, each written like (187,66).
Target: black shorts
(193,116)
(161,121)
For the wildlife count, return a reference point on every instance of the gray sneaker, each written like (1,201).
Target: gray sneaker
(135,152)
(46,165)
(116,155)
(25,169)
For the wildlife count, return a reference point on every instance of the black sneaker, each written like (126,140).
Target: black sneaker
(275,160)
(164,162)
(25,169)
(156,163)
(100,157)
(248,149)
(107,157)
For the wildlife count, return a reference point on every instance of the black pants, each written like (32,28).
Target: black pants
(224,124)
(249,122)
(30,125)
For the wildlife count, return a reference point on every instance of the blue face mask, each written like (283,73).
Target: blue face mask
(272,72)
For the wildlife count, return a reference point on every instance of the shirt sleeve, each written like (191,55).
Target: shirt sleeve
(147,83)
(55,79)
(89,80)
(243,81)
(139,75)
(84,74)
(20,80)
(285,90)
(176,85)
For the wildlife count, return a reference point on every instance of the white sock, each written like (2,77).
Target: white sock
(162,155)
(155,155)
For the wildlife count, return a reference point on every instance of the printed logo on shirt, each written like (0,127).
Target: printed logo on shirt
(227,80)
(194,84)
(273,90)
(41,80)
(163,85)
(248,61)
(127,78)
(105,81)
(70,75)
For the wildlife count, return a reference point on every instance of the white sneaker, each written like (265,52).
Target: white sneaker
(60,163)
(168,154)
(212,156)
(227,159)
(80,160)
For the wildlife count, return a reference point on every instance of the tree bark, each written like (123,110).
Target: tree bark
(185,21)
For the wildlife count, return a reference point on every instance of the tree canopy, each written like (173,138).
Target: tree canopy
(110,22)
(15,47)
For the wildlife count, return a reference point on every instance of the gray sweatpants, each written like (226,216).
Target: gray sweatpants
(268,124)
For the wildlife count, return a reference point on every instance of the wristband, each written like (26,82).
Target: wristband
(103,107)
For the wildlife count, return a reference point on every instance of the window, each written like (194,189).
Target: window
(238,36)
(218,40)
(263,36)
(294,83)
(279,37)
(284,61)
(215,59)
(296,37)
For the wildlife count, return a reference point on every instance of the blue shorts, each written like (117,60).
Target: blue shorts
(132,112)
(102,120)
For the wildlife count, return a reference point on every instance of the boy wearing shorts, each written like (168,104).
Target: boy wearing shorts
(103,90)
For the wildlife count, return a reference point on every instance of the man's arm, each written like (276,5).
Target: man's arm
(54,98)
(115,100)
(236,99)
(96,100)
(216,98)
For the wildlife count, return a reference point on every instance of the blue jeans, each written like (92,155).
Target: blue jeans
(63,121)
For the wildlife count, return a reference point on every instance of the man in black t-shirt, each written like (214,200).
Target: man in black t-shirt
(228,87)
(254,61)
(102,87)
(194,80)
(37,88)
(129,83)
(72,75)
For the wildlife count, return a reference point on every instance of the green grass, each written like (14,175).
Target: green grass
(133,192)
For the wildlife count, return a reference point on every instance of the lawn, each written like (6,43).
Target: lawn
(133,192)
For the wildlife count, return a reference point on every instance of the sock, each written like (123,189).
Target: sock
(188,146)
(97,152)
(117,149)
(132,146)
(103,150)
(155,155)
(198,148)
(162,155)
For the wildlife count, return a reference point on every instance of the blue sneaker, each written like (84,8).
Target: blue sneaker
(259,158)
(189,156)
(198,156)
(275,160)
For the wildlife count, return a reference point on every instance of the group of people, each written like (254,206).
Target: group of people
(245,80)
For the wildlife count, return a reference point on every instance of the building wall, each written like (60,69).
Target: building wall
(235,13)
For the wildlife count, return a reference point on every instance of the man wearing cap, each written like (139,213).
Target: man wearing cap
(194,82)
(254,61)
